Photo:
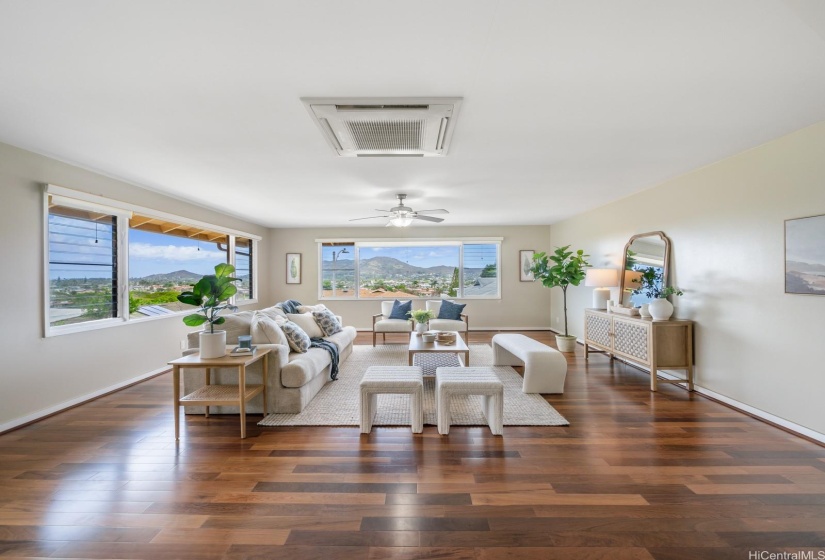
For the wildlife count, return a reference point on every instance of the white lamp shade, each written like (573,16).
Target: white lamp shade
(602,277)
(632,280)
(401,221)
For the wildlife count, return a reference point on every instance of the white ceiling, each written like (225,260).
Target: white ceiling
(568,104)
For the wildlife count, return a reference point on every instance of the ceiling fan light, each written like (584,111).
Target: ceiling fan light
(401,221)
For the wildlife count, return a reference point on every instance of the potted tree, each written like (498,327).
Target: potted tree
(564,268)
(421,317)
(211,294)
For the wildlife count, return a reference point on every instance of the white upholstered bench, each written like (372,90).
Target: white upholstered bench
(450,381)
(392,380)
(544,368)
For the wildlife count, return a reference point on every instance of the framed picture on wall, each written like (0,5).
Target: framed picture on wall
(525,260)
(293,268)
(805,255)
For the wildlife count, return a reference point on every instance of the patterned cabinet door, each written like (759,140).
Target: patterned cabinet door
(632,338)
(597,329)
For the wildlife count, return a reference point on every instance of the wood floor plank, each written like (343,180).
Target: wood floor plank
(635,476)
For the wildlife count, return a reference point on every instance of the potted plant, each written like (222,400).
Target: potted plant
(563,268)
(648,284)
(660,308)
(421,317)
(211,294)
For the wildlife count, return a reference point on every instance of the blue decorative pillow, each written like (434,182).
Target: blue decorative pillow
(401,310)
(450,310)
(327,322)
(295,335)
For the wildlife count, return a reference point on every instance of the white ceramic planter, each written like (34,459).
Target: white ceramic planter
(566,343)
(644,310)
(421,328)
(212,345)
(660,309)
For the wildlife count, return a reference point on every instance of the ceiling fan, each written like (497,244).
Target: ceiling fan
(402,216)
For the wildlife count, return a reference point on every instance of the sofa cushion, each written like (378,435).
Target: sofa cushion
(311,308)
(307,323)
(450,310)
(236,324)
(343,338)
(401,310)
(303,367)
(266,331)
(327,322)
(273,312)
(296,337)
(392,325)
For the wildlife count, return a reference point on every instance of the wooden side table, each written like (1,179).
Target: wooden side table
(216,395)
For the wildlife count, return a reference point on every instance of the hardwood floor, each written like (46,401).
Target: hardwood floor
(637,475)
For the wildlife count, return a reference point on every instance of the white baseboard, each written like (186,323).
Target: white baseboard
(761,414)
(29,418)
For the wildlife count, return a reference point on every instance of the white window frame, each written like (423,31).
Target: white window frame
(417,242)
(123,212)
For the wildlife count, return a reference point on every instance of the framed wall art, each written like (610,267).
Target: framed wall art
(805,255)
(525,259)
(293,268)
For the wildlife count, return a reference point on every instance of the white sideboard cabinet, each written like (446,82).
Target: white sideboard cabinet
(656,345)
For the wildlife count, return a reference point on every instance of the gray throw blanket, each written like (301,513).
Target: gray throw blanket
(290,306)
(333,354)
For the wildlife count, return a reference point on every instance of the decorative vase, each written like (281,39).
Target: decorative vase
(566,343)
(644,310)
(212,345)
(660,309)
(421,328)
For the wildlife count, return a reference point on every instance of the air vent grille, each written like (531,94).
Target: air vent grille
(387,135)
(390,127)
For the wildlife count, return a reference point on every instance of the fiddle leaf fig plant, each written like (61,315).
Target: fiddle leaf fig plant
(211,294)
(563,268)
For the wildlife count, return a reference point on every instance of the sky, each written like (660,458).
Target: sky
(155,253)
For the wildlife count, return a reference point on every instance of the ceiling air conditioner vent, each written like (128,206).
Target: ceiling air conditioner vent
(373,127)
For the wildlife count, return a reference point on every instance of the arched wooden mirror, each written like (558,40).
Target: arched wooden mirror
(646,252)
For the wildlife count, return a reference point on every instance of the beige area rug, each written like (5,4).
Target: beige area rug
(337,404)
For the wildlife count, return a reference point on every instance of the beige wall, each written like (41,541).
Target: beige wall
(754,343)
(41,373)
(522,305)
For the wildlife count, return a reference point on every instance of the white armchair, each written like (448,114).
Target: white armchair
(381,323)
(461,326)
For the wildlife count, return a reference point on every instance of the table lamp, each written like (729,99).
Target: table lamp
(602,279)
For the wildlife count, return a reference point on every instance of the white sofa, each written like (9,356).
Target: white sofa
(461,326)
(382,324)
(293,378)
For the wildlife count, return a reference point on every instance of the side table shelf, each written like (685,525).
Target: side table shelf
(219,395)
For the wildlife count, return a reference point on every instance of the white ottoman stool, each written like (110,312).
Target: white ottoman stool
(482,381)
(545,368)
(392,380)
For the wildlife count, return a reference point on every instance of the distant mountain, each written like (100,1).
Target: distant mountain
(810,268)
(178,277)
(386,267)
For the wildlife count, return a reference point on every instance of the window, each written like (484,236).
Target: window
(111,264)
(338,270)
(165,259)
(423,269)
(83,258)
(244,268)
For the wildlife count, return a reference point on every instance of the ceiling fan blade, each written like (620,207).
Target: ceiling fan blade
(368,218)
(427,218)
(437,211)
(379,210)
